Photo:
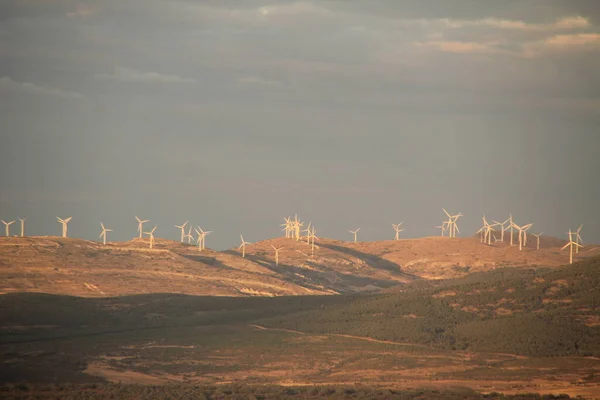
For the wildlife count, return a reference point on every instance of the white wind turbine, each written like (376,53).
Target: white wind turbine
(22,226)
(151,234)
(442,227)
(141,225)
(578,238)
(277,254)
(243,246)
(103,233)
(313,236)
(451,223)
(189,236)
(7,226)
(355,233)
(397,230)
(287,227)
(511,225)
(64,223)
(503,229)
(538,239)
(307,230)
(182,227)
(202,238)
(522,234)
(572,244)
(487,231)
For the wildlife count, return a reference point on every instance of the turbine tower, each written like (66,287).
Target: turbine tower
(397,230)
(64,223)
(243,246)
(182,227)
(276,254)
(7,226)
(572,244)
(22,226)
(151,234)
(141,225)
(103,233)
(355,234)
(538,239)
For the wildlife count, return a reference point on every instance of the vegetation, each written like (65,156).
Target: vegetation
(540,313)
(448,328)
(180,391)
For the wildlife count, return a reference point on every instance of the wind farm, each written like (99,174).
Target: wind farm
(300,200)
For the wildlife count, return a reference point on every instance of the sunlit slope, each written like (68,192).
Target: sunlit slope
(85,268)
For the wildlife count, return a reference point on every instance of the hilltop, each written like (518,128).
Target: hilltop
(86,268)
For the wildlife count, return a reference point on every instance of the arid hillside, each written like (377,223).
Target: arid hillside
(86,268)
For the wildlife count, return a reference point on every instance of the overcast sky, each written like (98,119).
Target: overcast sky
(234,114)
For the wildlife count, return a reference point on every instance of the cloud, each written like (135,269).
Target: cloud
(253,80)
(82,10)
(565,23)
(123,74)
(563,43)
(462,47)
(8,84)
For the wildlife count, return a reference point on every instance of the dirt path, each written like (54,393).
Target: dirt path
(367,339)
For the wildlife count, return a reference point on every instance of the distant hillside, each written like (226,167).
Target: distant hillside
(85,268)
(532,312)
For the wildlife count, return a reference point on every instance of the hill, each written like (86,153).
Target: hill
(85,268)
(551,312)
(511,330)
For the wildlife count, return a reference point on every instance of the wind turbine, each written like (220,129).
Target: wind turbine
(276,254)
(7,226)
(501,224)
(488,231)
(22,226)
(243,246)
(452,226)
(287,227)
(151,233)
(64,223)
(571,244)
(307,230)
(103,233)
(522,234)
(202,238)
(442,227)
(538,238)
(578,238)
(182,227)
(512,225)
(355,234)
(140,225)
(297,226)
(397,230)
(313,236)
(189,235)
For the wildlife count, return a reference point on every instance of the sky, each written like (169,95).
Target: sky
(233,114)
